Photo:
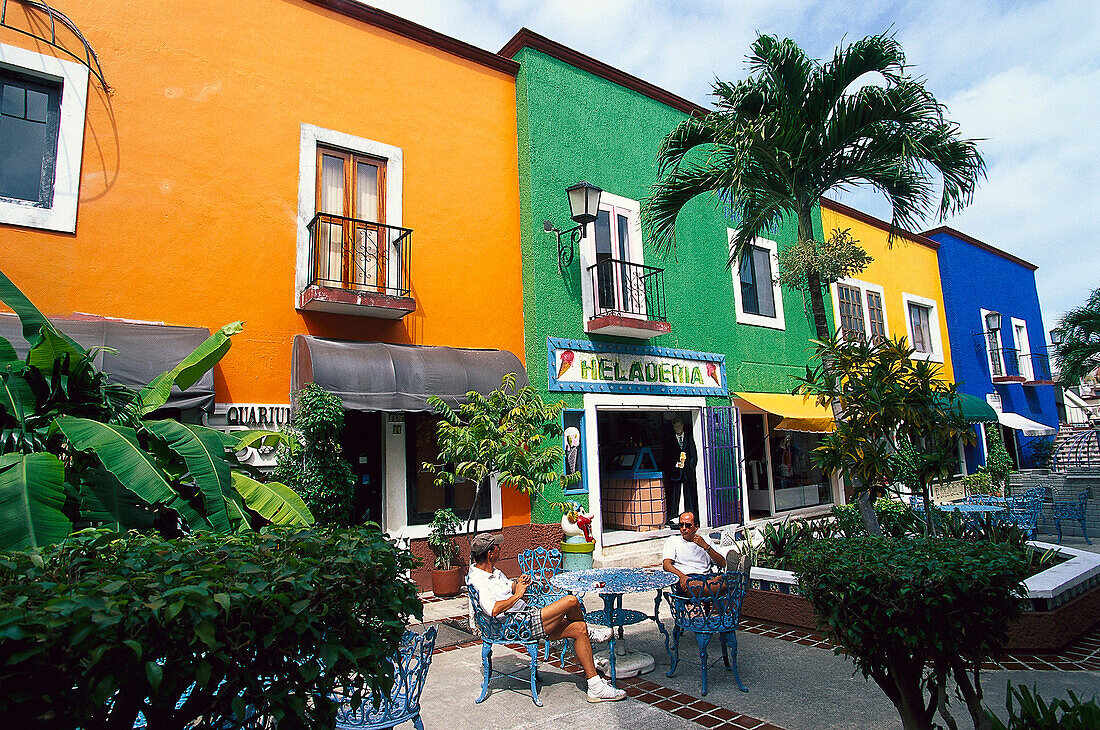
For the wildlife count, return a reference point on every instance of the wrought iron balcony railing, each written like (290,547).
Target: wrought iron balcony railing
(358,255)
(1004,364)
(1035,368)
(622,288)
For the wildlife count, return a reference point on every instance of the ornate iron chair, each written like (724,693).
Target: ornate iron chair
(706,615)
(410,670)
(542,565)
(1072,511)
(1024,512)
(507,628)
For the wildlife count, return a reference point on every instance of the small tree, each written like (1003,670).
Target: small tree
(312,465)
(509,434)
(901,420)
(1078,355)
(998,464)
(444,527)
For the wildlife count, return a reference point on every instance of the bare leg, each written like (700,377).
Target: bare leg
(563,619)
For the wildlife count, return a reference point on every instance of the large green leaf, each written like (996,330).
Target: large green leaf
(16,396)
(204,454)
(277,503)
(7,352)
(35,324)
(189,370)
(32,492)
(105,502)
(238,516)
(118,450)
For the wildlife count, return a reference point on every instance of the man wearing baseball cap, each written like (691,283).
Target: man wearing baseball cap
(562,619)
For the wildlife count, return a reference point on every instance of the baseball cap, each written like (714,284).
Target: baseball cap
(481,544)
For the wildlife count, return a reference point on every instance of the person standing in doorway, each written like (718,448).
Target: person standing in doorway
(681,458)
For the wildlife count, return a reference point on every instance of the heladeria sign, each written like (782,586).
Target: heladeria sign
(577,365)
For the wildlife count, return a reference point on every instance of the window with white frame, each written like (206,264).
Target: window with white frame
(1023,348)
(757,294)
(43,101)
(994,354)
(860,311)
(613,273)
(352,187)
(922,326)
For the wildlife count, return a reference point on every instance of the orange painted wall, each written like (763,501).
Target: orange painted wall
(188,195)
(904,266)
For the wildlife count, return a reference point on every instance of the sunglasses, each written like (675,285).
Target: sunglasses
(685,525)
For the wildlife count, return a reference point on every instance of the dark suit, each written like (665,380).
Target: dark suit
(675,478)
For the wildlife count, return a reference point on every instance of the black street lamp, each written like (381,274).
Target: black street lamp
(584,206)
(993,321)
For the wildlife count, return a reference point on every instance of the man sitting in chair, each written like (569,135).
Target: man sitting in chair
(690,553)
(562,619)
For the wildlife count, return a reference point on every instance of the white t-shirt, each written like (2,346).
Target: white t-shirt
(687,556)
(493,587)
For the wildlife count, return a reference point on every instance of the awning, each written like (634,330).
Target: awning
(144,351)
(975,410)
(1029,427)
(379,376)
(799,413)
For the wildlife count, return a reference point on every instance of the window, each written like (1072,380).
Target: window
(351,189)
(1023,348)
(922,324)
(612,272)
(856,320)
(424,495)
(757,295)
(919,328)
(42,106)
(994,355)
(355,185)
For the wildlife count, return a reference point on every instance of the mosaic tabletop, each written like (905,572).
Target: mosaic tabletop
(613,580)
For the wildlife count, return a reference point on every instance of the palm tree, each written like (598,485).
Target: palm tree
(1078,354)
(797,129)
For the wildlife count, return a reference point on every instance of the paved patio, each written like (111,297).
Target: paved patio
(794,679)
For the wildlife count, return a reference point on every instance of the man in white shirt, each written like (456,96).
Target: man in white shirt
(562,619)
(690,553)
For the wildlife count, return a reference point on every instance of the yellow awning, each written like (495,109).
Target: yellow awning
(799,412)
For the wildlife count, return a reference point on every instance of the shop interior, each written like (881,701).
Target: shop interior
(635,449)
(778,464)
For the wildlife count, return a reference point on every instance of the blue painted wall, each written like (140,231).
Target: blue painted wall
(975,278)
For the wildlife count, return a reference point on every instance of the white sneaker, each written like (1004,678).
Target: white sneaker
(598,634)
(601,691)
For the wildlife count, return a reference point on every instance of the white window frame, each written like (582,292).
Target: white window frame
(588,248)
(73,77)
(1023,350)
(778,322)
(933,325)
(863,287)
(311,136)
(1000,345)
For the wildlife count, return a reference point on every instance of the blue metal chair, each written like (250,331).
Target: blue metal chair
(706,615)
(1024,512)
(507,628)
(542,565)
(410,670)
(1072,511)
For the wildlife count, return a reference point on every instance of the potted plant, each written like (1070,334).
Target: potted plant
(446,577)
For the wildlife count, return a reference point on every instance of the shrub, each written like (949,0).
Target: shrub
(911,612)
(106,625)
(895,518)
(445,525)
(998,464)
(781,540)
(980,483)
(314,467)
(1028,711)
(1039,452)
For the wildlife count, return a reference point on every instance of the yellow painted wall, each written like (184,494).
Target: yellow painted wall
(907,265)
(188,197)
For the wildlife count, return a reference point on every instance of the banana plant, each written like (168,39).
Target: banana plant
(76,449)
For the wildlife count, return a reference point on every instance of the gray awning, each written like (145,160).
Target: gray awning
(144,351)
(378,376)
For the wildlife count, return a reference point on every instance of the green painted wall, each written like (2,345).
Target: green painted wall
(575,126)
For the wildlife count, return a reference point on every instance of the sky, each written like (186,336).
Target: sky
(1021,77)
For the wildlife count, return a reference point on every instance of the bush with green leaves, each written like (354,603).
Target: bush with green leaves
(105,625)
(312,464)
(980,483)
(998,463)
(1027,710)
(445,525)
(1039,452)
(916,612)
(895,518)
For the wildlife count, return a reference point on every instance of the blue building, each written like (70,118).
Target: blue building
(998,344)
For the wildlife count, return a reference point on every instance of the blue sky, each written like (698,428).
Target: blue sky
(1024,77)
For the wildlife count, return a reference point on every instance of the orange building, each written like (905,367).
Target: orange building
(329,173)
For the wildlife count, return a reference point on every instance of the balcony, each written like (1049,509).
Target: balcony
(628,300)
(1036,369)
(358,267)
(1004,365)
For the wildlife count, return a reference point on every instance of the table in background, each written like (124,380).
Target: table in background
(611,584)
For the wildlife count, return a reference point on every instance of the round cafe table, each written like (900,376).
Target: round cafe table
(611,584)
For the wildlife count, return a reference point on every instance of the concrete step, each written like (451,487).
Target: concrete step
(644,553)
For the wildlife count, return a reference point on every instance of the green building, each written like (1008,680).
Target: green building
(630,339)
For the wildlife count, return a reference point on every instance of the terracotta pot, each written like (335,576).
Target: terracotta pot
(446,583)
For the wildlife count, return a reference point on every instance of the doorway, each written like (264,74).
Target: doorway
(362,444)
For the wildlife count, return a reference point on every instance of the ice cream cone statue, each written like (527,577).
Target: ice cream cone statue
(576,522)
(712,372)
(566,362)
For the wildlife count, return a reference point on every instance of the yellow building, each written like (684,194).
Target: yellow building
(899,294)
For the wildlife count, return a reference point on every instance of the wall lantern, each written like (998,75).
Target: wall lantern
(584,206)
(993,321)
(1056,337)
